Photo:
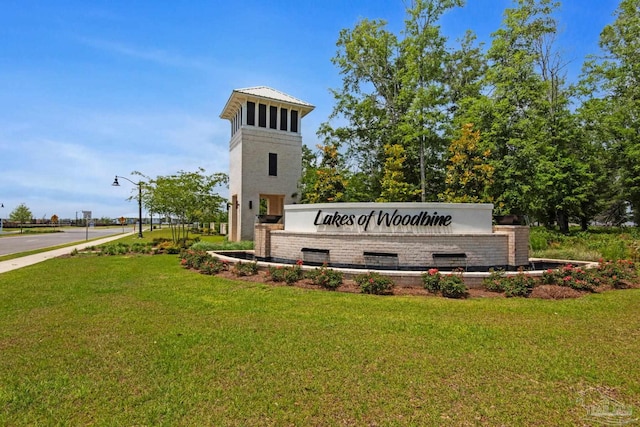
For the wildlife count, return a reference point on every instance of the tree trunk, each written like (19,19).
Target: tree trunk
(563,222)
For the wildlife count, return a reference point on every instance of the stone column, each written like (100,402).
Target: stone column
(518,235)
(262,239)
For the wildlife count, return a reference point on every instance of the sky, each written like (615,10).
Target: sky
(94,89)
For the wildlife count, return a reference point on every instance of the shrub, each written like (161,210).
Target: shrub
(453,286)
(431,280)
(325,277)
(617,274)
(167,246)
(245,268)
(495,281)
(276,273)
(374,283)
(519,285)
(213,266)
(194,259)
(141,247)
(287,274)
(572,277)
(114,249)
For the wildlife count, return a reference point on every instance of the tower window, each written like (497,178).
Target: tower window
(273,164)
(294,121)
(262,115)
(273,117)
(283,118)
(251,113)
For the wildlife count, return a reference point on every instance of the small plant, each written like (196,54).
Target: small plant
(453,286)
(431,280)
(374,283)
(519,285)
(166,246)
(293,274)
(213,266)
(245,268)
(617,274)
(290,275)
(194,259)
(495,282)
(325,277)
(276,273)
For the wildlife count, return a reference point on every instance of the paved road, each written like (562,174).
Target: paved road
(29,242)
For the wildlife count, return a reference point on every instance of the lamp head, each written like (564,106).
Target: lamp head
(115,182)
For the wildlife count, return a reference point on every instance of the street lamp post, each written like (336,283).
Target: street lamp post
(139,184)
(1,206)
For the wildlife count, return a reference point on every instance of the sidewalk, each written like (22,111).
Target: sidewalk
(14,264)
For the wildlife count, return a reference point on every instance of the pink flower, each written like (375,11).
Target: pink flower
(433,271)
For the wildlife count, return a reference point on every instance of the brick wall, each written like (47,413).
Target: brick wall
(413,250)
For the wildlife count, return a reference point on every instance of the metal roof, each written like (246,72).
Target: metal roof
(264,92)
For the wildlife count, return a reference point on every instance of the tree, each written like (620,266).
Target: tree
(394,186)
(611,83)
(21,214)
(516,128)
(329,184)
(394,93)
(309,176)
(469,174)
(187,197)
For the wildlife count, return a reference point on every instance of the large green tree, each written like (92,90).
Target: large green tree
(516,127)
(394,93)
(611,85)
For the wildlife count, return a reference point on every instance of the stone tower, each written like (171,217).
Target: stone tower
(265,156)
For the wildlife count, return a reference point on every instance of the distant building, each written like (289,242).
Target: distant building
(265,156)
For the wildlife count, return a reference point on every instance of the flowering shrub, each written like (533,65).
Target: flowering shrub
(213,266)
(374,283)
(293,274)
(325,277)
(276,273)
(452,286)
(495,281)
(431,280)
(190,258)
(617,274)
(290,275)
(245,268)
(519,285)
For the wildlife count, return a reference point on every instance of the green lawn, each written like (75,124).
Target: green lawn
(140,341)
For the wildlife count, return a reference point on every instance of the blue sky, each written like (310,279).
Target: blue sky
(91,89)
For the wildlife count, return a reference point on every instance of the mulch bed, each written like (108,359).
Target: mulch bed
(542,291)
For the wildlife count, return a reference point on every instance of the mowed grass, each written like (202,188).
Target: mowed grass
(141,341)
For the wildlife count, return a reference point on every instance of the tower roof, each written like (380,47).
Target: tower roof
(238,96)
